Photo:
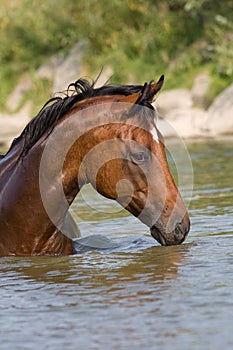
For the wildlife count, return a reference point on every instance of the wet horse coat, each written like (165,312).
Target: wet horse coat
(115,146)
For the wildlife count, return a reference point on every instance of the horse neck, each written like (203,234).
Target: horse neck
(78,126)
(25,204)
(26,227)
(8,163)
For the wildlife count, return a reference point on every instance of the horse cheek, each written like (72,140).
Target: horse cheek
(107,179)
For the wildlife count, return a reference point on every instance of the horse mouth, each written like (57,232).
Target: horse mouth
(173,238)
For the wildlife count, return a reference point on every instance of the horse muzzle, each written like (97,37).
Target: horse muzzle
(177,236)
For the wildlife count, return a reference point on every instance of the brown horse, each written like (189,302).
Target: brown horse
(103,136)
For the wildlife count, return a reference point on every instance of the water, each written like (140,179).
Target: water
(138,295)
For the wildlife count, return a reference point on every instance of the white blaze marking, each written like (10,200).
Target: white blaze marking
(155,134)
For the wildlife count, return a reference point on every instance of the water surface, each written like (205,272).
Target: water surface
(138,295)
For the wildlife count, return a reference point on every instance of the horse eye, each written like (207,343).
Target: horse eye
(138,157)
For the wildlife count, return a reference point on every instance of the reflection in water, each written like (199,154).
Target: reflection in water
(93,269)
(71,288)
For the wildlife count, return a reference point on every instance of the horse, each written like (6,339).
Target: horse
(106,137)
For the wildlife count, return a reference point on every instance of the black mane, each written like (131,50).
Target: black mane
(50,114)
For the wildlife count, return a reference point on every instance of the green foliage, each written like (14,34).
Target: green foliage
(140,39)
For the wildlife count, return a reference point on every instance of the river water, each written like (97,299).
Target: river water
(137,295)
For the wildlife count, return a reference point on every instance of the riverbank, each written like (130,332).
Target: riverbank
(181,115)
(185,113)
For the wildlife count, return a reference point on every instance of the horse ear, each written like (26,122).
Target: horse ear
(147,93)
(155,87)
(150,90)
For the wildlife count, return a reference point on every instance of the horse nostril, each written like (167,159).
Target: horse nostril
(178,233)
(181,230)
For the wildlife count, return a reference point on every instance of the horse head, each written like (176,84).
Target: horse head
(125,160)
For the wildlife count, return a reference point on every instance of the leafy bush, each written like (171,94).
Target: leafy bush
(140,39)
